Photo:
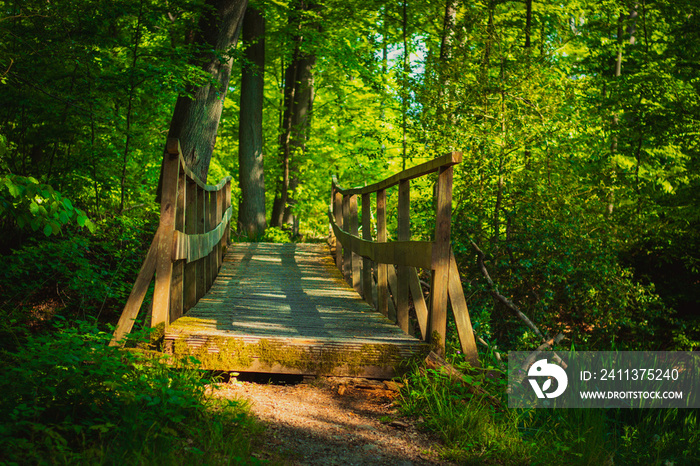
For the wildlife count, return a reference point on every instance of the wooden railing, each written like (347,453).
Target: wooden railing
(188,247)
(380,255)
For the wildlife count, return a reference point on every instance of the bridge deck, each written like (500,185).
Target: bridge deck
(285,308)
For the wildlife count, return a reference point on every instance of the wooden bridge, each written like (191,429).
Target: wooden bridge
(299,308)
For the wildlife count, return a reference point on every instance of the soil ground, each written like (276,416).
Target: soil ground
(333,421)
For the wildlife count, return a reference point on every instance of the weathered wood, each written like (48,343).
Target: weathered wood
(193,247)
(218,248)
(434,165)
(172,146)
(227,205)
(177,286)
(138,292)
(461,314)
(393,287)
(403,234)
(382,284)
(347,249)
(164,264)
(201,229)
(411,253)
(289,302)
(210,223)
(190,288)
(354,230)
(367,236)
(418,302)
(441,258)
(338,217)
(186,209)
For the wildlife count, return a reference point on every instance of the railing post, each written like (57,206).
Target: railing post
(211,223)
(347,255)
(354,230)
(177,285)
(190,291)
(219,248)
(338,214)
(382,272)
(441,257)
(202,268)
(404,234)
(367,235)
(168,208)
(227,204)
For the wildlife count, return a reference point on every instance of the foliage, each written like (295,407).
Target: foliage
(78,275)
(70,397)
(475,431)
(29,203)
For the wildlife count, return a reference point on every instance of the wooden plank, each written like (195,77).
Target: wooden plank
(382,285)
(393,287)
(172,146)
(347,250)
(138,292)
(354,230)
(227,207)
(418,302)
(411,253)
(177,285)
(208,278)
(461,314)
(218,248)
(211,223)
(366,262)
(441,258)
(434,165)
(338,217)
(190,287)
(404,234)
(194,247)
(164,263)
(201,228)
(288,301)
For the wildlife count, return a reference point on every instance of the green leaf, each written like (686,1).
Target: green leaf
(48,230)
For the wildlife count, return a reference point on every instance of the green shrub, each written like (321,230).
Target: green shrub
(71,398)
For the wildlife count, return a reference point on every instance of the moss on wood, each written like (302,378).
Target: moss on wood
(220,353)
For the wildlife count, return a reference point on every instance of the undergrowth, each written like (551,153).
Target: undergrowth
(68,398)
(480,428)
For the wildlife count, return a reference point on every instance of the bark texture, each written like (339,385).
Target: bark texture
(197,113)
(298,104)
(251,210)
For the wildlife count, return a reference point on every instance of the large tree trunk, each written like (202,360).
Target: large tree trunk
(298,102)
(197,113)
(251,210)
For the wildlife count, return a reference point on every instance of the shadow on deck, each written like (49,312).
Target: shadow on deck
(285,308)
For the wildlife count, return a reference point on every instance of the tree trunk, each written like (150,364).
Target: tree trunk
(298,103)
(197,113)
(251,210)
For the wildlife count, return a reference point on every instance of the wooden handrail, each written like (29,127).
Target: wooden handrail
(407,256)
(187,249)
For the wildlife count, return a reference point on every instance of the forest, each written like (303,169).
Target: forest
(578,199)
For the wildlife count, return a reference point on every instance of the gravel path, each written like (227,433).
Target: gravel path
(335,422)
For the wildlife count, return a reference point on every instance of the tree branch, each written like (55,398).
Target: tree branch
(507,302)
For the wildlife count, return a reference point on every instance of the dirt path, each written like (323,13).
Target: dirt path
(335,422)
